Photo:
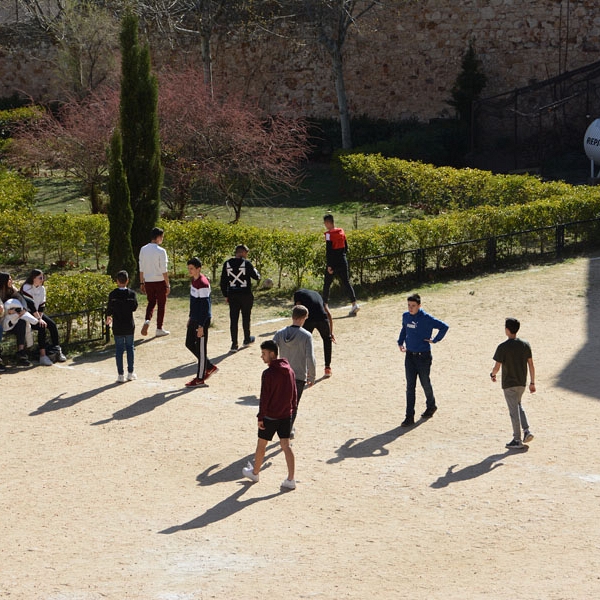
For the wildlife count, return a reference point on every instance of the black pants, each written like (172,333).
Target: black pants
(299,389)
(198,347)
(240,302)
(19,330)
(43,331)
(323,328)
(340,271)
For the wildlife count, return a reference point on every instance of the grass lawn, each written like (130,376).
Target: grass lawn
(301,210)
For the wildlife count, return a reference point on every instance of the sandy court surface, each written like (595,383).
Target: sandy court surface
(134,491)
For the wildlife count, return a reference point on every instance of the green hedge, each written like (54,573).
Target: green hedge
(371,177)
(513,203)
(12,118)
(16,192)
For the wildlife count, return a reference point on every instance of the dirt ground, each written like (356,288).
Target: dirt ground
(134,491)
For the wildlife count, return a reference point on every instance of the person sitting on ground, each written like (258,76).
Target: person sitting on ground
(34,293)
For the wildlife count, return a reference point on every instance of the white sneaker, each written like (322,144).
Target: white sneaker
(249,473)
(131,376)
(354,310)
(289,484)
(121,379)
(45,361)
(162,332)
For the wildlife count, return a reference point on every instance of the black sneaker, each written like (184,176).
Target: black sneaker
(249,341)
(527,436)
(515,445)
(234,348)
(22,359)
(429,413)
(408,422)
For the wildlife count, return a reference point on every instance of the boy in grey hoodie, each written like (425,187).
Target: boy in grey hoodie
(296,344)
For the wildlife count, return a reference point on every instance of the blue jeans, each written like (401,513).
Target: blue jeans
(122,343)
(417,364)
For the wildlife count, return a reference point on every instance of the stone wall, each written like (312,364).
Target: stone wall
(401,61)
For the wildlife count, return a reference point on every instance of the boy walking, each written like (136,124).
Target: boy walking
(154,280)
(196,339)
(336,247)
(296,345)
(277,405)
(122,303)
(514,356)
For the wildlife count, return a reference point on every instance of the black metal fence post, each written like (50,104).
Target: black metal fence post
(560,240)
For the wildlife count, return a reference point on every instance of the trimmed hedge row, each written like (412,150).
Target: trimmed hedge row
(288,257)
(374,178)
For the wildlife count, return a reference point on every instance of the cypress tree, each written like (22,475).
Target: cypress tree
(120,215)
(140,133)
(468,85)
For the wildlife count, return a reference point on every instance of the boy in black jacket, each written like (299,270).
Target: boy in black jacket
(122,303)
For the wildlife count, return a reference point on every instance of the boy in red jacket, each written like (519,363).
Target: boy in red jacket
(278,402)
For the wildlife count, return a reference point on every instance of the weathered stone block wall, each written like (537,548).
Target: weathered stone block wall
(401,61)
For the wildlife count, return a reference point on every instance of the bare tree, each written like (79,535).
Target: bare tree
(86,36)
(75,140)
(327,23)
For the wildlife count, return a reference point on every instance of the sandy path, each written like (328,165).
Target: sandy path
(133,491)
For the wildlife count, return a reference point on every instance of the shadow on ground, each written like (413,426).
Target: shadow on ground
(582,375)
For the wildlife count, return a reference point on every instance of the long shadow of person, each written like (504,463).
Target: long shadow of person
(251,400)
(145,405)
(371,447)
(487,465)
(232,472)
(224,509)
(187,369)
(58,402)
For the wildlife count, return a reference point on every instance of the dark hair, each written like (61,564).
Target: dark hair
(156,232)
(299,311)
(328,217)
(270,345)
(241,248)
(32,275)
(512,324)
(122,276)
(5,291)
(414,298)
(195,261)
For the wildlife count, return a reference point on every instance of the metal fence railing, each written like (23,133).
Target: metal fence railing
(74,328)
(481,254)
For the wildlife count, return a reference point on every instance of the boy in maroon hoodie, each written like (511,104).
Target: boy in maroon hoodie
(277,404)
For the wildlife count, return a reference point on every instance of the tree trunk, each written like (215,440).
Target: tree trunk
(207,61)
(340,89)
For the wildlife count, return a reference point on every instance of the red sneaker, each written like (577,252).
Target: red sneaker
(195,382)
(327,372)
(210,371)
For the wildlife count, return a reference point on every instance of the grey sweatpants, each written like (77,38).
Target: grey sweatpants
(515,410)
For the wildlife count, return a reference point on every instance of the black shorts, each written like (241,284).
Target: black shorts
(283,428)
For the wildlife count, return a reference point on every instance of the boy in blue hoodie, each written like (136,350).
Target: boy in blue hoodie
(416,337)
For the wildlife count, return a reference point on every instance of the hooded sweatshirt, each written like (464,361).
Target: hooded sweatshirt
(277,391)
(296,344)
